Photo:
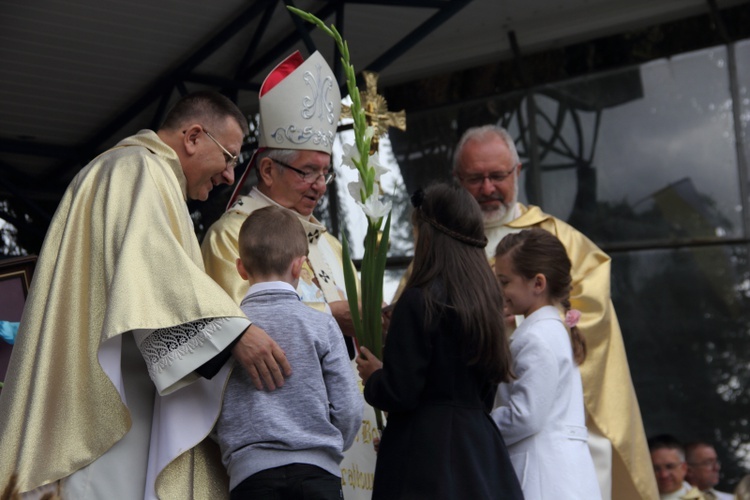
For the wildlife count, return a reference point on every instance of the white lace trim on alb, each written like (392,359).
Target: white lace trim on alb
(166,345)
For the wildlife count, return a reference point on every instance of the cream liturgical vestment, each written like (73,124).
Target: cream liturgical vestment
(120,267)
(612,409)
(318,285)
(321,282)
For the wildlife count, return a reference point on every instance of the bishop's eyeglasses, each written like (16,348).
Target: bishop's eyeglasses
(309,177)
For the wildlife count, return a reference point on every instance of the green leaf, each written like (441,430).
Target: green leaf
(350,282)
(380,259)
(368,325)
(372,293)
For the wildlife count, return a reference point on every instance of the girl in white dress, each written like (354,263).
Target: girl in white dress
(541,414)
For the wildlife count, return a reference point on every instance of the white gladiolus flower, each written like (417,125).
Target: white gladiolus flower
(357,189)
(350,156)
(369,133)
(369,170)
(374,162)
(374,208)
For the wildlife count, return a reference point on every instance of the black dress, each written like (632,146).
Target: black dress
(439,441)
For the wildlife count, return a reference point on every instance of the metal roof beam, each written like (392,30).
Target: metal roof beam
(166,81)
(283,46)
(427,4)
(338,68)
(448,10)
(161,109)
(220,81)
(299,24)
(38,149)
(255,42)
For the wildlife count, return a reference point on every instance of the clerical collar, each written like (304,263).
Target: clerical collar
(306,219)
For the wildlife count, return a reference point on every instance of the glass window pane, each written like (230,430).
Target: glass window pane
(742,61)
(652,151)
(644,157)
(685,318)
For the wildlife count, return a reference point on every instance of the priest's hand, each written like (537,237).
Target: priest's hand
(367,363)
(340,311)
(263,359)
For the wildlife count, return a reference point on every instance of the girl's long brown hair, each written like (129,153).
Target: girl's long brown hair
(536,251)
(451,268)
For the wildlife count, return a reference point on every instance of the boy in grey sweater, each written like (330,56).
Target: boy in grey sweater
(291,440)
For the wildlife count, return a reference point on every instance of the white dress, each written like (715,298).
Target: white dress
(541,414)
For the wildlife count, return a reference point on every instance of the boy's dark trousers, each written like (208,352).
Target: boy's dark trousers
(290,482)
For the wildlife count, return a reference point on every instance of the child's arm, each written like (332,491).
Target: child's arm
(533,392)
(406,357)
(344,397)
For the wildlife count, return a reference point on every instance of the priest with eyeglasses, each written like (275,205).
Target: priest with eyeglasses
(300,106)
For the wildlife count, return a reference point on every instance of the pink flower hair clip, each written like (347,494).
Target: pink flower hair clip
(572,317)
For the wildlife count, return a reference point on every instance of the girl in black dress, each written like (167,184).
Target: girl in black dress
(445,353)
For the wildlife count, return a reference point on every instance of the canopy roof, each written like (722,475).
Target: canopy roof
(79,75)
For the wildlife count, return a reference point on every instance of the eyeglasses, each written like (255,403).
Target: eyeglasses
(667,467)
(229,157)
(494,177)
(709,464)
(308,177)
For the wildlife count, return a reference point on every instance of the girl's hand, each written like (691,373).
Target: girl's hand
(367,363)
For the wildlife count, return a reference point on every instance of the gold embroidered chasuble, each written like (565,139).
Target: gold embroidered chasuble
(120,255)
(220,252)
(610,400)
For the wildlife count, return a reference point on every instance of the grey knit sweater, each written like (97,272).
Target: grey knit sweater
(314,416)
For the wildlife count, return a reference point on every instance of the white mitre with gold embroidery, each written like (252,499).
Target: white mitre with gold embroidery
(300,105)
(302,110)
